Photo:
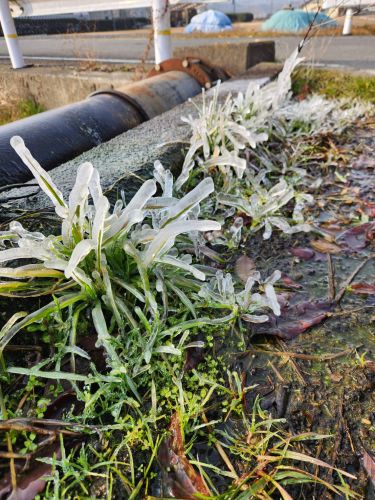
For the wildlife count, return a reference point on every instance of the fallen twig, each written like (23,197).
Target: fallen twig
(342,291)
(307,357)
(331,278)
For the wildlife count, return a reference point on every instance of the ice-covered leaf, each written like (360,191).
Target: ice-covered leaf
(80,251)
(41,176)
(166,237)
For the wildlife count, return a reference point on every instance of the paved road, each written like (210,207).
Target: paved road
(357,52)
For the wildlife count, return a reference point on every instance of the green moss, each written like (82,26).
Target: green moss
(333,84)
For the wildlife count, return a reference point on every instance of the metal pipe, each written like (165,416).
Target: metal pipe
(10,35)
(59,135)
(158,94)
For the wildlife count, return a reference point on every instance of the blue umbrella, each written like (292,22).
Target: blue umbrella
(296,20)
(209,21)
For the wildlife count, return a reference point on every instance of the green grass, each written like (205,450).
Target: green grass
(10,112)
(333,84)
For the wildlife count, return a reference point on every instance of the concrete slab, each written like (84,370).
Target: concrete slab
(235,58)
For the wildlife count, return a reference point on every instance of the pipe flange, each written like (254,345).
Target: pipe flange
(145,117)
(205,74)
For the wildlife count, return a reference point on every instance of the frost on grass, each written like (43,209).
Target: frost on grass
(126,266)
(263,205)
(229,142)
(221,290)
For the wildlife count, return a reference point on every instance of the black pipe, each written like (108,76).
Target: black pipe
(59,135)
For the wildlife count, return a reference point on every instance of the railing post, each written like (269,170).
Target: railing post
(161,16)
(10,35)
(347,29)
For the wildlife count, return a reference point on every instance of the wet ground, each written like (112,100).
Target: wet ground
(323,379)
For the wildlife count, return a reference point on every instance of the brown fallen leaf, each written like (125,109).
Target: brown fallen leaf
(332,226)
(294,319)
(307,254)
(369,465)
(193,356)
(368,208)
(358,237)
(32,483)
(336,377)
(289,282)
(302,253)
(362,288)
(324,246)
(180,478)
(364,161)
(370,365)
(244,267)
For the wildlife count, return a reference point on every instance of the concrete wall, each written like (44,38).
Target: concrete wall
(52,87)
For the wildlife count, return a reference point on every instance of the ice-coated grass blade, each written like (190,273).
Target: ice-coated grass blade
(190,200)
(166,236)
(41,176)
(30,271)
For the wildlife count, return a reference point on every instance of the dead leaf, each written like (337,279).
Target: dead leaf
(180,478)
(32,483)
(244,267)
(302,253)
(65,403)
(364,161)
(369,465)
(368,208)
(289,283)
(332,226)
(324,246)
(358,237)
(295,319)
(365,288)
(194,355)
(336,377)
(365,421)
(370,365)
(308,254)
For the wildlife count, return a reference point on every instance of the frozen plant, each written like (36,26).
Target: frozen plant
(264,206)
(257,107)
(220,291)
(115,263)
(317,115)
(222,131)
(217,139)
